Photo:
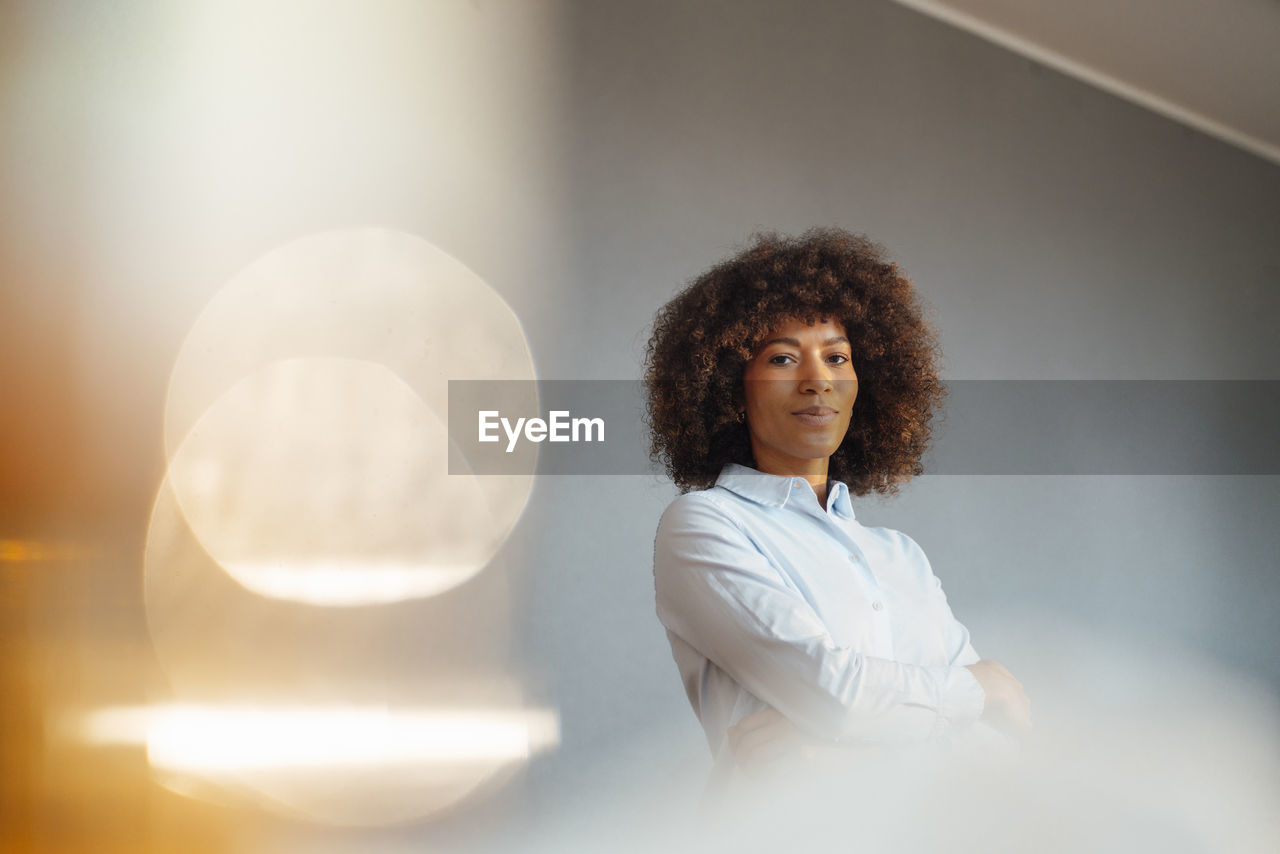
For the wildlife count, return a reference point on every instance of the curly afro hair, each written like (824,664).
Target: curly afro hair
(703,339)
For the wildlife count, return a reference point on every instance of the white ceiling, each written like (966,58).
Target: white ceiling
(1211,64)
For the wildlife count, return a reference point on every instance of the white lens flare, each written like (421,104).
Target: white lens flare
(325,481)
(295,462)
(331,764)
(214,740)
(309,547)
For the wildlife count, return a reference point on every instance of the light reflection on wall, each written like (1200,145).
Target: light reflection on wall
(373,295)
(336,764)
(203,738)
(326,481)
(309,465)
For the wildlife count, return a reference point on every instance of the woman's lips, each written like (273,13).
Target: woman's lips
(816,416)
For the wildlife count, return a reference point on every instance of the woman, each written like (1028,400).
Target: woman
(781,383)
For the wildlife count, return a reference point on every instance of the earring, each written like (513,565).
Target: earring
(742,416)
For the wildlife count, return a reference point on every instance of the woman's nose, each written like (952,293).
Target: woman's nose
(817,377)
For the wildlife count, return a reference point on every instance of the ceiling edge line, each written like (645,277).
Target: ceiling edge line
(1045,56)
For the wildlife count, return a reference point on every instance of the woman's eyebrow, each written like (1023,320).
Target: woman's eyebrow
(792,342)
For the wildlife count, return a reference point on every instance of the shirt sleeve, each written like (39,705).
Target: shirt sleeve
(960,646)
(722,596)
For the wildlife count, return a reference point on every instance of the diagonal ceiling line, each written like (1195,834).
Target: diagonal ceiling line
(1108,83)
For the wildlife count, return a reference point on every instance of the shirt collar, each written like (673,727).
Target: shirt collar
(774,490)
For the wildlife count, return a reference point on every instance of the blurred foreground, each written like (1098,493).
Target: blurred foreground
(1135,749)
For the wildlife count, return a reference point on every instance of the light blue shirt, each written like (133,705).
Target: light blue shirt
(770,600)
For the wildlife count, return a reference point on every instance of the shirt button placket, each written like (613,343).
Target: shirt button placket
(883,628)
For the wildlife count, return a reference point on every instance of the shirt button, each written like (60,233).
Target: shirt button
(878,606)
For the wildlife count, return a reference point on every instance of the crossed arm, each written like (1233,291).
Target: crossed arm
(761,739)
(721,595)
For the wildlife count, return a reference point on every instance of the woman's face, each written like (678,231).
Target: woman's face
(798,391)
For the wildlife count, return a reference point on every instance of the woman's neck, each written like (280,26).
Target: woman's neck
(812,471)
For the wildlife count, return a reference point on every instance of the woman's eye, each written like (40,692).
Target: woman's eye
(838,358)
(780,359)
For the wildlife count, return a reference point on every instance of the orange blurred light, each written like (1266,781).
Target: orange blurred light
(34,551)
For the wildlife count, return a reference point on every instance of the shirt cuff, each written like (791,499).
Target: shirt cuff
(961,699)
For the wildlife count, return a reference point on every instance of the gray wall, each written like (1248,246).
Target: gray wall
(1059,232)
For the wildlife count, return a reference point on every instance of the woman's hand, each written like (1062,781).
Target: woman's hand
(1007,705)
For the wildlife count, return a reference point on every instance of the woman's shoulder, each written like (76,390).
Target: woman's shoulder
(698,507)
